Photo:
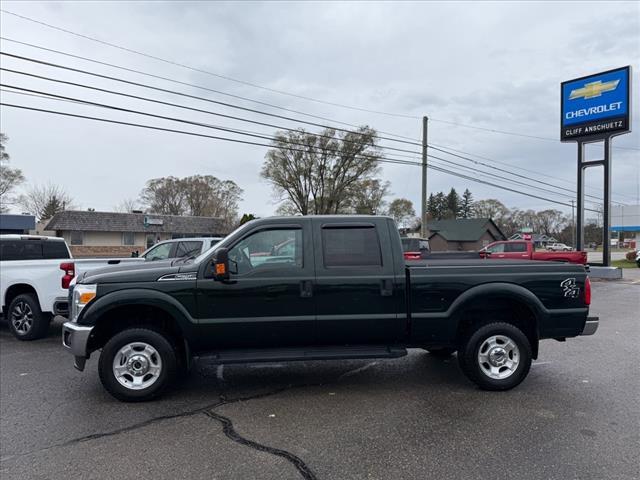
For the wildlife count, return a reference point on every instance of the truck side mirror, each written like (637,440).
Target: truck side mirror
(220,265)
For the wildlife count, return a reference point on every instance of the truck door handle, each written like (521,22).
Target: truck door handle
(386,288)
(306,289)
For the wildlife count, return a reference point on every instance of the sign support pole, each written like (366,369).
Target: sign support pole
(580,199)
(423,228)
(606,217)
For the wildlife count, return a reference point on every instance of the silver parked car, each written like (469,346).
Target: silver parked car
(179,248)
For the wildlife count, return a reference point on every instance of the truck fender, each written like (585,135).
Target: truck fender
(92,313)
(503,290)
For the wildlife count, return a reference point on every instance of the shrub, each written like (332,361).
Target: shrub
(631,256)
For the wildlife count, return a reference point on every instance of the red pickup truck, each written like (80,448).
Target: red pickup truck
(519,250)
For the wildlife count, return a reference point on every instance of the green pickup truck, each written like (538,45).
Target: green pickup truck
(320,288)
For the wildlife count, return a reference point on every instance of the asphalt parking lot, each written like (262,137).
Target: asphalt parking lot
(577,415)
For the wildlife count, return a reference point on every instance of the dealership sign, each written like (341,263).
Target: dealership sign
(596,106)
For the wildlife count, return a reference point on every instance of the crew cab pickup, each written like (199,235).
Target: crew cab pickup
(523,250)
(341,289)
(35,272)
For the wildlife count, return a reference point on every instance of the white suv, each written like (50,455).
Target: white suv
(558,247)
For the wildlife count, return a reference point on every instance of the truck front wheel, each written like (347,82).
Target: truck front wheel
(496,356)
(137,364)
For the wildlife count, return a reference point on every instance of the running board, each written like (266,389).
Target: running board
(303,354)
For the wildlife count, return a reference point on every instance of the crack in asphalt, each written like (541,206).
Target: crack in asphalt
(232,434)
(227,425)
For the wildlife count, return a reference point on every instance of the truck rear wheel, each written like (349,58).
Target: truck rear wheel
(137,364)
(26,320)
(496,356)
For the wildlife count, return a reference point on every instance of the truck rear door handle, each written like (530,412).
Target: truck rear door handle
(306,289)
(386,288)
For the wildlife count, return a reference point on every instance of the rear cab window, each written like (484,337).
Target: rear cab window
(54,249)
(351,246)
(20,249)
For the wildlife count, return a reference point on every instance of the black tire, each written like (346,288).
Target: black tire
(476,371)
(441,352)
(26,320)
(163,348)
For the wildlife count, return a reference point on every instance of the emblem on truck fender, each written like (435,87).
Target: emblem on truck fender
(569,288)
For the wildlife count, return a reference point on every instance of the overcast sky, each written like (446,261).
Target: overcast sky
(490,65)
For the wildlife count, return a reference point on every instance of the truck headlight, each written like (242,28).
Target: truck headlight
(82,294)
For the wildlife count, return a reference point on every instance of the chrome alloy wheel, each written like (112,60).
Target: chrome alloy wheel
(498,357)
(137,366)
(22,318)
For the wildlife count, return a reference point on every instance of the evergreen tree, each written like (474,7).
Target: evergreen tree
(440,205)
(452,204)
(432,208)
(53,206)
(466,205)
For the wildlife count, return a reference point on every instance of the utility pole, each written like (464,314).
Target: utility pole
(573,223)
(423,228)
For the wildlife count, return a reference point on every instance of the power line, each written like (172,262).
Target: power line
(172,119)
(514,134)
(445,147)
(147,99)
(173,92)
(511,173)
(484,174)
(206,72)
(246,142)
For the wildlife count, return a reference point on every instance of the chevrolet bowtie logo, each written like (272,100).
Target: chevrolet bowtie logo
(594,89)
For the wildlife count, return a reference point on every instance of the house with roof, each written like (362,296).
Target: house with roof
(462,234)
(540,240)
(113,234)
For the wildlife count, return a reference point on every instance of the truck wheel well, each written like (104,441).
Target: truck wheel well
(491,309)
(127,316)
(18,289)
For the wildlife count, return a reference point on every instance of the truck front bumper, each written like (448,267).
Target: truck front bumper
(75,338)
(590,326)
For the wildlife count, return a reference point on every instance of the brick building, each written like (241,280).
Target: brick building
(111,234)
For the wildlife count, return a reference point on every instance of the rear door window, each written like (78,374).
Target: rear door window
(53,249)
(518,247)
(409,244)
(351,246)
(188,249)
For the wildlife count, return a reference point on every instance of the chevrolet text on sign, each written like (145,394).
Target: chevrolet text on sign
(597,105)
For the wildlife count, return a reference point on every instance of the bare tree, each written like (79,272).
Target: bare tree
(10,178)
(367,197)
(197,195)
(127,205)
(44,201)
(164,196)
(318,173)
(402,211)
